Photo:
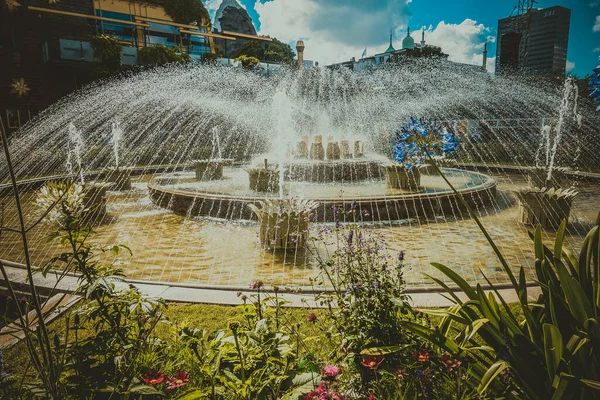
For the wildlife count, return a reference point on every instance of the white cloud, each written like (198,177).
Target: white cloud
(332,30)
(570,66)
(596,27)
(329,37)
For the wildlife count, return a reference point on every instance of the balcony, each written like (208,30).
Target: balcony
(79,50)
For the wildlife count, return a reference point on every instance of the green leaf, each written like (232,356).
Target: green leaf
(563,383)
(377,351)
(591,383)
(144,389)
(491,374)
(434,337)
(560,237)
(196,394)
(577,302)
(460,282)
(553,348)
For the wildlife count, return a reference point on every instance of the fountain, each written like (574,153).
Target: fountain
(545,202)
(211,168)
(119,177)
(206,209)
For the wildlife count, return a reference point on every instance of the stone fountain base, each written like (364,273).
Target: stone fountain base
(334,171)
(398,177)
(545,207)
(263,180)
(120,178)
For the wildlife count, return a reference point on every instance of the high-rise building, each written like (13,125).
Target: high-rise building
(534,43)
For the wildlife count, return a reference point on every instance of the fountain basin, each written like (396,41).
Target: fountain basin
(120,178)
(263,180)
(365,201)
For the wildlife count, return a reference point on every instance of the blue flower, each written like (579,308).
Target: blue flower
(595,86)
(420,138)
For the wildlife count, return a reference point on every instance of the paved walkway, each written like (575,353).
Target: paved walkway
(49,286)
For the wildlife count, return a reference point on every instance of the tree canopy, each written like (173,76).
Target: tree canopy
(275,51)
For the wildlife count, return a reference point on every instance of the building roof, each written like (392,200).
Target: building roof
(408,42)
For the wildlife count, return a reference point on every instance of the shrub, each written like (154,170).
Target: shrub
(108,50)
(248,62)
(160,54)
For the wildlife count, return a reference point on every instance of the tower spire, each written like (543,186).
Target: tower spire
(391,30)
(485,53)
(423,38)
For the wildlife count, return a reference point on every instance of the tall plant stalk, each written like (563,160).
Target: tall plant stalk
(46,370)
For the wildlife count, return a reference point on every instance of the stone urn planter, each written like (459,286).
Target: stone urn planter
(399,177)
(546,207)
(317,152)
(345,151)
(263,180)
(210,170)
(359,149)
(120,178)
(333,150)
(283,223)
(302,148)
(538,177)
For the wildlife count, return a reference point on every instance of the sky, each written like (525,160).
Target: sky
(336,30)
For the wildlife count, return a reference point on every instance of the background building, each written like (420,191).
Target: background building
(534,42)
(46,53)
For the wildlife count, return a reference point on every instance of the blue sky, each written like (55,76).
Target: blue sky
(335,30)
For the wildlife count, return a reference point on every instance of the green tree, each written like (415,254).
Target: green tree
(252,48)
(278,51)
(275,51)
(108,50)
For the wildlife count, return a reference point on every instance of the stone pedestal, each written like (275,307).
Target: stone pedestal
(359,149)
(120,178)
(398,177)
(302,148)
(94,201)
(345,151)
(210,170)
(317,152)
(333,150)
(263,180)
(546,207)
(283,231)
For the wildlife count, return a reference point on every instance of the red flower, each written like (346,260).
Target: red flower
(372,362)
(372,397)
(256,285)
(153,378)
(449,362)
(312,317)
(331,371)
(322,393)
(421,356)
(180,379)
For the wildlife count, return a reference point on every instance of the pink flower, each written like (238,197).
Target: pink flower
(312,317)
(179,380)
(331,371)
